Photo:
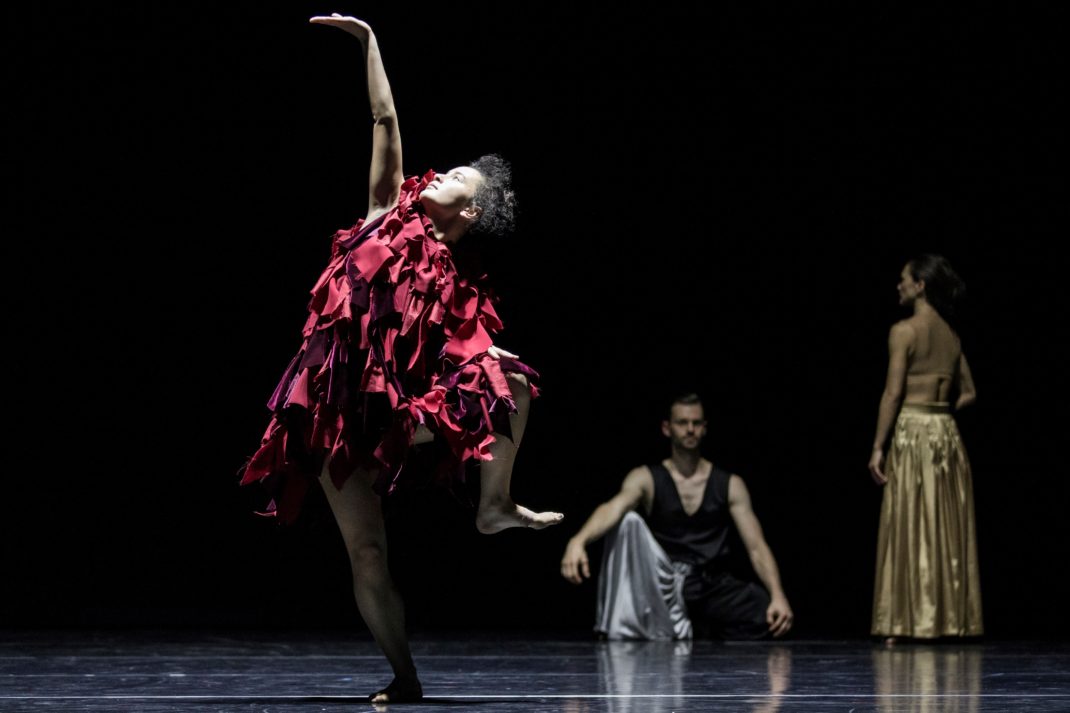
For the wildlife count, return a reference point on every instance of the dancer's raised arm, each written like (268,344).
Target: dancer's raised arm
(385,175)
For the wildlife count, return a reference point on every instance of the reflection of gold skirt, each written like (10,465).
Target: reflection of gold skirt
(927,581)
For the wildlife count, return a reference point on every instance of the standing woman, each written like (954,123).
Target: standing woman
(927,582)
(397,350)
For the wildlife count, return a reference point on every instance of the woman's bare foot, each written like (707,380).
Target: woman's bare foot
(400,690)
(498,517)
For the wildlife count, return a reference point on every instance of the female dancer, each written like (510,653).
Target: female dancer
(397,350)
(927,582)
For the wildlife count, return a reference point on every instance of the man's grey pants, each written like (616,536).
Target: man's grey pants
(640,590)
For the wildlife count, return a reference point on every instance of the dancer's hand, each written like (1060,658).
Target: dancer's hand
(876,466)
(779,616)
(352,25)
(498,353)
(574,565)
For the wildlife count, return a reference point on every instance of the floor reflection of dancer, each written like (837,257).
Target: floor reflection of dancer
(778,667)
(644,676)
(927,582)
(926,679)
(398,350)
(658,676)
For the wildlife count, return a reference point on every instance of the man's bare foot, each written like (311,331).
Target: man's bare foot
(495,518)
(400,690)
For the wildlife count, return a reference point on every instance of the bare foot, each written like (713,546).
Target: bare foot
(495,518)
(400,690)
(891,641)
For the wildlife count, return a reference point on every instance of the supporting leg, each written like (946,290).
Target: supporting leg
(358,512)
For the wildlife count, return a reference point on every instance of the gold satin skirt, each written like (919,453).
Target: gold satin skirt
(927,582)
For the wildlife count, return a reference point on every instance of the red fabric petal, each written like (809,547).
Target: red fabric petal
(369,258)
(469,340)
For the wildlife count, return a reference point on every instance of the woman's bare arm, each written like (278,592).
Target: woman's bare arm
(899,340)
(967,391)
(385,175)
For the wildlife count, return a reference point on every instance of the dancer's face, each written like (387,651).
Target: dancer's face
(686,426)
(908,287)
(453,192)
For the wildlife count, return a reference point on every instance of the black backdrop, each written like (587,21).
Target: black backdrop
(712,199)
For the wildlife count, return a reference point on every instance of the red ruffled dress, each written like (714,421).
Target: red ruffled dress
(395,337)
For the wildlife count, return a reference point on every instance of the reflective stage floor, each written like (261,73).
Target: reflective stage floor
(252,671)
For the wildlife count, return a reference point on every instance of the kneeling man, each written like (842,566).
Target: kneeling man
(666,575)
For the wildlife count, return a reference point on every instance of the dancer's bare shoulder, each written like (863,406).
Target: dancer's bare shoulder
(904,333)
(638,488)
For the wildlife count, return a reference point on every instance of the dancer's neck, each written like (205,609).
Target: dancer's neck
(922,308)
(686,462)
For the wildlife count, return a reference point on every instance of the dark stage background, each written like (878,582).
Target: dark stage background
(713,199)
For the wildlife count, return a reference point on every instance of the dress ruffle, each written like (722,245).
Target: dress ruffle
(395,337)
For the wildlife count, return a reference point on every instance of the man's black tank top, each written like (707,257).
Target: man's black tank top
(698,539)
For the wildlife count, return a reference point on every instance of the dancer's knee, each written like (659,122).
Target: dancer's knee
(368,559)
(520,389)
(631,521)
(517,379)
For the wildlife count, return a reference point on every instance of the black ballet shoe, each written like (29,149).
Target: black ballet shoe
(409,691)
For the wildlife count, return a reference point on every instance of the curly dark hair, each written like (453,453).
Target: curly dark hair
(494,195)
(944,289)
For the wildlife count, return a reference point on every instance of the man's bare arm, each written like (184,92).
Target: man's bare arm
(779,614)
(638,487)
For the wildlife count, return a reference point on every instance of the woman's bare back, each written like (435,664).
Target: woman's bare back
(933,359)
